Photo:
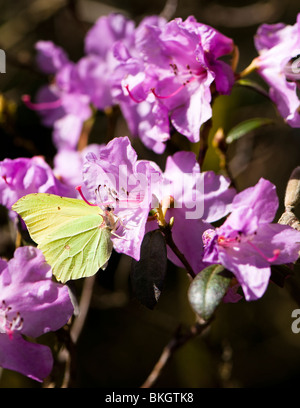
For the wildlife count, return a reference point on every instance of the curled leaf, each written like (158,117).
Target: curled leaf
(148,274)
(245,127)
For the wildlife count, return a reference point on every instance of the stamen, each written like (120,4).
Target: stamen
(226,242)
(41,106)
(188,81)
(115,196)
(9,326)
(132,97)
(276,253)
(78,188)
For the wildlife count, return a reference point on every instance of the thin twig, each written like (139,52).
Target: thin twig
(178,340)
(84,305)
(69,354)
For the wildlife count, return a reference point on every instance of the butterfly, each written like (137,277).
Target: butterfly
(75,237)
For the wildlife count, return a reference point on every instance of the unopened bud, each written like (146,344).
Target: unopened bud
(171,222)
(292,194)
(167,202)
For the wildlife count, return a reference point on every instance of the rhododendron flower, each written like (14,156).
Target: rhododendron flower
(169,73)
(50,58)
(96,68)
(68,164)
(64,104)
(195,199)
(22,176)
(279,65)
(118,182)
(31,304)
(248,243)
(115,179)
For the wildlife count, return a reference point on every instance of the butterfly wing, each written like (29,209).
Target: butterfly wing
(77,250)
(43,213)
(71,234)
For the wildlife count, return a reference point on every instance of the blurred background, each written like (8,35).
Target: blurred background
(248,344)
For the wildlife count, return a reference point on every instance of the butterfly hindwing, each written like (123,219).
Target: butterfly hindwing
(76,255)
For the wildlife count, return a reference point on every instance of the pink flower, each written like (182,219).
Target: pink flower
(22,176)
(168,76)
(31,304)
(119,183)
(248,243)
(279,65)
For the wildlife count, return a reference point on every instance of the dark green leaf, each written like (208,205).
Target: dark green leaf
(245,127)
(148,274)
(208,289)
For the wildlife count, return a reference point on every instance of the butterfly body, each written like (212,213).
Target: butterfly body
(74,237)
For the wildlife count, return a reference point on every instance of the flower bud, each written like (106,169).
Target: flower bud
(292,194)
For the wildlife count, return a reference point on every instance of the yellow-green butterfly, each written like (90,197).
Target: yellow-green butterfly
(74,237)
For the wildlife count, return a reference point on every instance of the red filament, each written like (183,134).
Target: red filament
(41,106)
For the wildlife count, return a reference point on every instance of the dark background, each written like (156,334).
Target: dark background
(248,344)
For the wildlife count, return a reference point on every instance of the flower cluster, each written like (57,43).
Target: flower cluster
(164,76)
(158,72)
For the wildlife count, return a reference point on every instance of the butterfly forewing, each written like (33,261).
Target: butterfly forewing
(72,235)
(43,213)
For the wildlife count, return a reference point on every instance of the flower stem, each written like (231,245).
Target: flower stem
(167,231)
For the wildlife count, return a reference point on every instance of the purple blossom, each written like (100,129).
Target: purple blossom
(50,58)
(120,184)
(22,176)
(195,199)
(279,65)
(31,304)
(68,164)
(115,179)
(248,243)
(96,68)
(63,104)
(168,74)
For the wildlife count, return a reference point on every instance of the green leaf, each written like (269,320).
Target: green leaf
(148,274)
(208,289)
(245,127)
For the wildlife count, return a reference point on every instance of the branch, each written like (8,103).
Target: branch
(178,340)
(167,231)
(69,355)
